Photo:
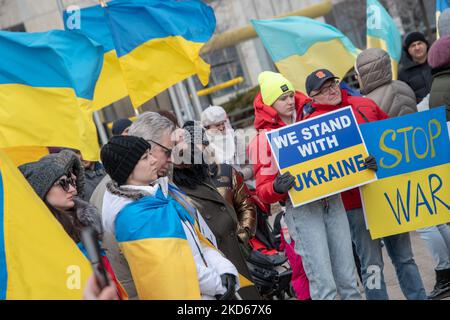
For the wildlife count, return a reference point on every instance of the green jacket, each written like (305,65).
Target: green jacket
(440,91)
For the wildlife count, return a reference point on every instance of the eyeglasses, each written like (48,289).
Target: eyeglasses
(167,151)
(326,90)
(65,183)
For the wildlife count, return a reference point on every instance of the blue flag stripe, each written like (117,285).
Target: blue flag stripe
(53,59)
(192,20)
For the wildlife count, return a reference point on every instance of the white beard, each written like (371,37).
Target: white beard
(223,145)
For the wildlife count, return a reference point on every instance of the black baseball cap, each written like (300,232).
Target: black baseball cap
(317,78)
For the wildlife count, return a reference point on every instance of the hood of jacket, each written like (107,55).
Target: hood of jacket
(373,67)
(117,197)
(266,117)
(439,54)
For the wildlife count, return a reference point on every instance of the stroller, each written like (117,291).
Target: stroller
(269,267)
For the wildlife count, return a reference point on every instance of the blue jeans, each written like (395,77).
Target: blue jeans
(322,239)
(370,255)
(437,239)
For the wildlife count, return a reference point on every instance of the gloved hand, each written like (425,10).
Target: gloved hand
(283,183)
(229,282)
(371,163)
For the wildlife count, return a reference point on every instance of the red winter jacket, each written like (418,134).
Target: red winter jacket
(264,165)
(365,110)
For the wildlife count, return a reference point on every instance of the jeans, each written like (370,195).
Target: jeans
(437,239)
(322,238)
(370,255)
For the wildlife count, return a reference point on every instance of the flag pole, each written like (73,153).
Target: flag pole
(60,6)
(195,99)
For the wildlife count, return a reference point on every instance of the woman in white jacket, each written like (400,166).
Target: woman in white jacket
(168,256)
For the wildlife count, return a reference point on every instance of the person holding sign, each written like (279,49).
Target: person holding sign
(320,229)
(323,88)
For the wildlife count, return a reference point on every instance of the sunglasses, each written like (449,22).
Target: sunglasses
(167,151)
(65,183)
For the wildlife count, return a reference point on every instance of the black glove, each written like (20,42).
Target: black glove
(283,183)
(371,163)
(229,282)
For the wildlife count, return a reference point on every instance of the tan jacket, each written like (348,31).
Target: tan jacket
(394,97)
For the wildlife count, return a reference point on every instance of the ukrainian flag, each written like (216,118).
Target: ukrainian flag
(152,238)
(47,83)
(383,33)
(300,45)
(441,5)
(158,43)
(38,260)
(92,23)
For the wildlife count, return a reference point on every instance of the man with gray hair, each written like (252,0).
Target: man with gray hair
(157,130)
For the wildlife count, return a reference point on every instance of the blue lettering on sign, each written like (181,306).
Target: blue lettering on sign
(402,204)
(319,175)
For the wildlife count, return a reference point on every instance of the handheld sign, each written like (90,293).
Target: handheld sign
(413,154)
(325,154)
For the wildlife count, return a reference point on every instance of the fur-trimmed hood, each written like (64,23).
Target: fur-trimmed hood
(117,197)
(88,215)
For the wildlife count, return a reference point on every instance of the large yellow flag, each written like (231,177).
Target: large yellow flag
(47,83)
(38,260)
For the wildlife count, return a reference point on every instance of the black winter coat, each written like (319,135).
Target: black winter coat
(418,77)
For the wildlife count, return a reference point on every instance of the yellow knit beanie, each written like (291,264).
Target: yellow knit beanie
(273,85)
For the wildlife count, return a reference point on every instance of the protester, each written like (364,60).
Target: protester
(121,126)
(328,97)
(437,239)
(152,127)
(439,60)
(222,139)
(416,72)
(320,229)
(136,201)
(230,215)
(394,97)
(171,116)
(58,180)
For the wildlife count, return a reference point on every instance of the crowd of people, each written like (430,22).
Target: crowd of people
(175,215)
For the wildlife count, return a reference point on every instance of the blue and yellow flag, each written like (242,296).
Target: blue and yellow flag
(151,236)
(38,260)
(47,83)
(91,22)
(158,43)
(300,45)
(382,32)
(441,5)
